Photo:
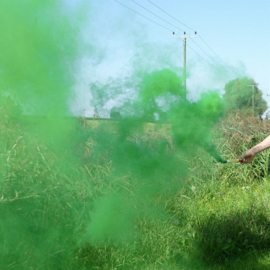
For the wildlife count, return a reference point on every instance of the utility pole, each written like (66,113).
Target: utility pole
(185,58)
(253,85)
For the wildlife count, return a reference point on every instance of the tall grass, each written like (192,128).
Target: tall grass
(219,219)
(232,202)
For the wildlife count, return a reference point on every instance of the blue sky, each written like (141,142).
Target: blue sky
(237,31)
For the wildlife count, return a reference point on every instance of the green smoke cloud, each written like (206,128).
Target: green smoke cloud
(37,45)
(65,185)
(158,165)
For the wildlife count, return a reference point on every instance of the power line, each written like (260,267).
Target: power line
(203,50)
(155,14)
(225,67)
(211,49)
(210,64)
(176,27)
(170,15)
(198,36)
(144,16)
(199,55)
(216,55)
(158,24)
(179,29)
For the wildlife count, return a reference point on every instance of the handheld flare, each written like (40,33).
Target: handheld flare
(235,160)
(211,149)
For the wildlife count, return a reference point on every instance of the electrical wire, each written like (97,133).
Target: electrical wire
(176,27)
(179,29)
(155,15)
(211,49)
(202,49)
(170,15)
(217,55)
(210,64)
(198,36)
(200,56)
(224,66)
(144,16)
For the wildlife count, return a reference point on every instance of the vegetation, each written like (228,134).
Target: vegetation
(239,94)
(219,219)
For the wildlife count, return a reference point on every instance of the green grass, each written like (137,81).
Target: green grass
(219,219)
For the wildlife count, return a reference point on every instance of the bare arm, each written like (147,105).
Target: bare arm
(251,153)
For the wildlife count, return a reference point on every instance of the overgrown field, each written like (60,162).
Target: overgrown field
(63,211)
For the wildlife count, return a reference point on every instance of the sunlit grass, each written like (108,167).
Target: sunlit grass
(218,220)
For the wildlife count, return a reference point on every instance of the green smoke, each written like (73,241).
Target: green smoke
(36,47)
(65,185)
(158,165)
(38,51)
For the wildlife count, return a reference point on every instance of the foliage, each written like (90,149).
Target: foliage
(238,95)
(232,205)
(219,218)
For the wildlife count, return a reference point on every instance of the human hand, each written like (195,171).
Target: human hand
(248,156)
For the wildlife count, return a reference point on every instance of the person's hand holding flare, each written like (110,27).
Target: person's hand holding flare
(248,156)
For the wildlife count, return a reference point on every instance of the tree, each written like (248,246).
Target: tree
(238,96)
(115,114)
